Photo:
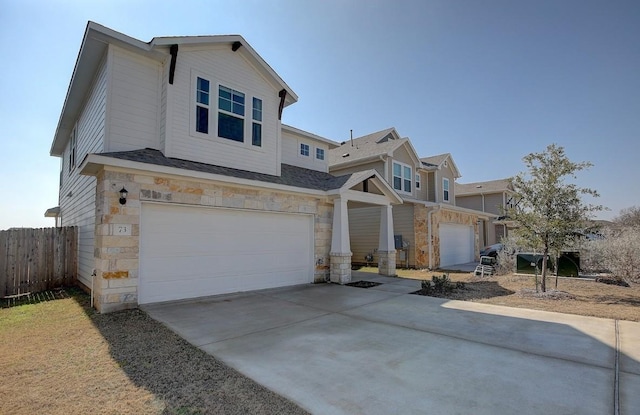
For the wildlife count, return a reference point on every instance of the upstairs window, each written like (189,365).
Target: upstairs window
(304,149)
(417,181)
(202,106)
(320,153)
(72,150)
(402,177)
(256,126)
(445,189)
(230,114)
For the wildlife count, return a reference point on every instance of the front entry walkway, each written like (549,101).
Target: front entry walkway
(343,350)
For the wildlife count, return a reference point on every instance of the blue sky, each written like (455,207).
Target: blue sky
(488,81)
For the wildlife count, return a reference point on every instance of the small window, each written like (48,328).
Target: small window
(417,181)
(256,129)
(202,106)
(445,190)
(72,150)
(320,153)
(304,149)
(402,177)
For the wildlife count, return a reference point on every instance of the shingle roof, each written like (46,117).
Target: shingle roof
(365,147)
(491,186)
(290,175)
(435,160)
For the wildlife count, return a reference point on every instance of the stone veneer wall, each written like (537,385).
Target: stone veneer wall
(117,243)
(422,230)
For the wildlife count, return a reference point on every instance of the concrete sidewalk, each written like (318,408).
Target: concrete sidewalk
(343,350)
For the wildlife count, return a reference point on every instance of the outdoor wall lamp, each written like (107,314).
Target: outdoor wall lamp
(123,195)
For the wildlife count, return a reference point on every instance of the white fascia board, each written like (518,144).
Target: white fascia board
(294,130)
(94,163)
(370,198)
(389,194)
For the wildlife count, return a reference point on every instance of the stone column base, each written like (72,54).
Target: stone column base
(340,270)
(387,263)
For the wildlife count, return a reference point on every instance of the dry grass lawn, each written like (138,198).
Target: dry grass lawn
(585,297)
(59,357)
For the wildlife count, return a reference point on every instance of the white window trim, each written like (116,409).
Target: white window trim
(253,121)
(418,182)
(73,148)
(411,177)
(214,88)
(445,180)
(311,148)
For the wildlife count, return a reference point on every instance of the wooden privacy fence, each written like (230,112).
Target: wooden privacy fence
(33,260)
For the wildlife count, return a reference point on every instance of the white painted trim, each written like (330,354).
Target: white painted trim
(446,180)
(401,164)
(371,198)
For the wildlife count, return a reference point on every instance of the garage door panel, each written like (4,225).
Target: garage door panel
(189,252)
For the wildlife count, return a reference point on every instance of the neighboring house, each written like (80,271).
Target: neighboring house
(431,231)
(220,196)
(494,196)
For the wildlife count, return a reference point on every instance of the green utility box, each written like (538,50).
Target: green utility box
(569,264)
(526,263)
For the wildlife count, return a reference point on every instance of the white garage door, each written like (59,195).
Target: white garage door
(456,244)
(188,252)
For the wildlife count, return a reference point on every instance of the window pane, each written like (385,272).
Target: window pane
(397,183)
(320,153)
(256,135)
(224,104)
(257,109)
(397,169)
(203,98)
(407,173)
(445,184)
(230,127)
(203,85)
(238,97)
(202,119)
(238,108)
(304,149)
(446,195)
(407,185)
(224,93)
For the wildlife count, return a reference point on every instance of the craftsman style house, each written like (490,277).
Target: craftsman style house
(184,182)
(430,229)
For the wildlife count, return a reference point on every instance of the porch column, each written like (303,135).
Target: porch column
(340,255)
(386,245)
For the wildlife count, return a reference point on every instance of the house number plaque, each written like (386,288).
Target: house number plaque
(122,229)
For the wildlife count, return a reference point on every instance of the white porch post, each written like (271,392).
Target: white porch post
(340,269)
(386,246)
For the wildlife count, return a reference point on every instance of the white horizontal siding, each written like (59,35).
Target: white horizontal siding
(291,152)
(77,193)
(222,66)
(134,102)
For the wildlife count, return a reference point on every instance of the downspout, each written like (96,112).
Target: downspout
(429,235)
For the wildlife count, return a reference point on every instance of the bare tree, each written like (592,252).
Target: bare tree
(629,217)
(549,210)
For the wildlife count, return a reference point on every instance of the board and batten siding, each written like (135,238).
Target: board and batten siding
(291,152)
(78,193)
(364,231)
(221,66)
(134,101)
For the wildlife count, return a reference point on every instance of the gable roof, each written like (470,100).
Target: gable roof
(95,42)
(306,134)
(438,161)
(491,186)
(369,147)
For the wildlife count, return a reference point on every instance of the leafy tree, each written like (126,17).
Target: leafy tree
(549,210)
(629,217)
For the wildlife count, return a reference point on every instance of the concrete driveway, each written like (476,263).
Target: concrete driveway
(344,350)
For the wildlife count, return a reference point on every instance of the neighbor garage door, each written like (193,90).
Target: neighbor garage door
(188,252)
(456,244)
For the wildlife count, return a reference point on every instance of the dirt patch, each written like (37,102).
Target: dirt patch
(582,296)
(364,284)
(60,357)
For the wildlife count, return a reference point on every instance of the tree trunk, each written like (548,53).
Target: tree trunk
(543,284)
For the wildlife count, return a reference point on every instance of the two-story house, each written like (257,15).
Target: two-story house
(493,196)
(430,230)
(183,181)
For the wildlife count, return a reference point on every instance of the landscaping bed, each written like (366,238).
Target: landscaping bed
(573,295)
